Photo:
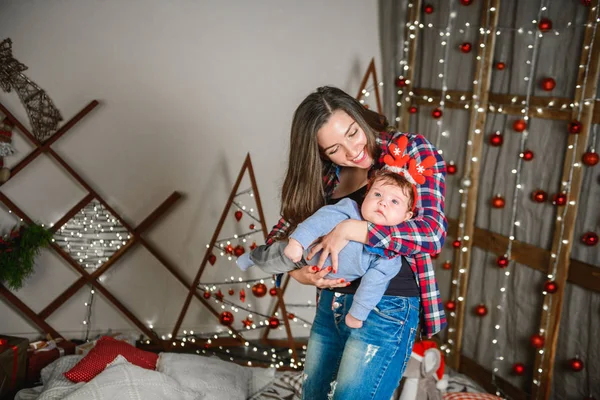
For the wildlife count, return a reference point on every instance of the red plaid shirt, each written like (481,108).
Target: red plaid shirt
(416,238)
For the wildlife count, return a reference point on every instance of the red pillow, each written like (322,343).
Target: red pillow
(103,353)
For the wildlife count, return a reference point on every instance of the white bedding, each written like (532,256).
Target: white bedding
(178,377)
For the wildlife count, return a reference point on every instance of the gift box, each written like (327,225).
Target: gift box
(38,359)
(13,362)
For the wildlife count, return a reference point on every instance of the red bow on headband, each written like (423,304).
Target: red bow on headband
(396,161)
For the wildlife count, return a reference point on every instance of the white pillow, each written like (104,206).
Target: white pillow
(216,378)
(123,380)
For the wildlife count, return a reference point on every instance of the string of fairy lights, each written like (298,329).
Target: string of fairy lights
(465,184)
(515,223)
(566,188)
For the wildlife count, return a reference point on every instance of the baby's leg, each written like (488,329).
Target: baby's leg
(271,259)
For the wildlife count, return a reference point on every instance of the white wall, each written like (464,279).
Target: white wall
(186,89)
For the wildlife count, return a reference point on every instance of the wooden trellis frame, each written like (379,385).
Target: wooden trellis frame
(462,255)
(193,287)
(371,72)
(571,270)
(587,83)
(39,319)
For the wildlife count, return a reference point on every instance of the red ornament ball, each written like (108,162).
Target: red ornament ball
(206,295)
(465,47)
(259,290)
(528,155)
(447,265)
(436,113)
(496,139)
(401,82)
(239,250)
(219,295)
(291,316)
(590,238)
(537,341)
(550,287)
(498,201)
(229,249)
(502,261)
(518,368)
(466,2)
(226,318)
(450,305)
(576,364)
(428,8)
(559,199)
(575,127)
(251,226)
(481,310)
(500,65)
(451,168)
(548,84)
(273,291)
(231,292)
(413,110)
(238,215)
(253,246)
(545,25)
(273,322)
(539,196)
(519,125)
(212,259)
(456,244)
(590,158)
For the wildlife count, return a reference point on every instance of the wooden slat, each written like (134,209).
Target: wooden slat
(460,274)
(484,377)
(581,274)
(587,82)
(505,103)
(413,16)
(371,71)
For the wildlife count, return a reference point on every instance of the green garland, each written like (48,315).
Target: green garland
(18,251)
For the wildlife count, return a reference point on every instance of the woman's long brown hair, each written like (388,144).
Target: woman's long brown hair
(303,192)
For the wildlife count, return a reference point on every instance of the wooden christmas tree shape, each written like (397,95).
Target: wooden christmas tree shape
(193,288)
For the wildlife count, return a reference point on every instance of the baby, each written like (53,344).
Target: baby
(389,201)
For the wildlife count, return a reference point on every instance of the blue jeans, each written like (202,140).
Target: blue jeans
(366,363)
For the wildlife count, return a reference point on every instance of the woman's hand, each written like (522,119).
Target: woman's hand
(312,275)
(332,243)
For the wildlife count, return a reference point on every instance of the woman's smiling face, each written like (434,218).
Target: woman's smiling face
(344,142)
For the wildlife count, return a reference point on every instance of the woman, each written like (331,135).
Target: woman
(336,145)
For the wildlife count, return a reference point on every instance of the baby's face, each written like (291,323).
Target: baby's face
(386,204)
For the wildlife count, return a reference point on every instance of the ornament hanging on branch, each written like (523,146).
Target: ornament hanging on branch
(456,244)
(465,47)
(545,25)
(242,295)
(519,125)
(401,82)
(273,291)
(450,305)
(226,318)
(413,110)
(575,127)
(43,114)
(437,113)
(518,368)
(548,84)
(500,65)
(428,9)
(590,158)
(481,310)
(447,265)
(259,290)
(590,238)
(274,322)
(559,199)
(537,341)
(496,139)
(238,215)
(498,201)
(550,287)
(451,168)
(576,364)
(212,259)
(527,155)
(18,250)
(502,261)
(539,196)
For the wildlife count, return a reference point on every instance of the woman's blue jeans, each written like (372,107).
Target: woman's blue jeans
(362,364)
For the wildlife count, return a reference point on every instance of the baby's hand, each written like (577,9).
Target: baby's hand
(293,250)
(352,322)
